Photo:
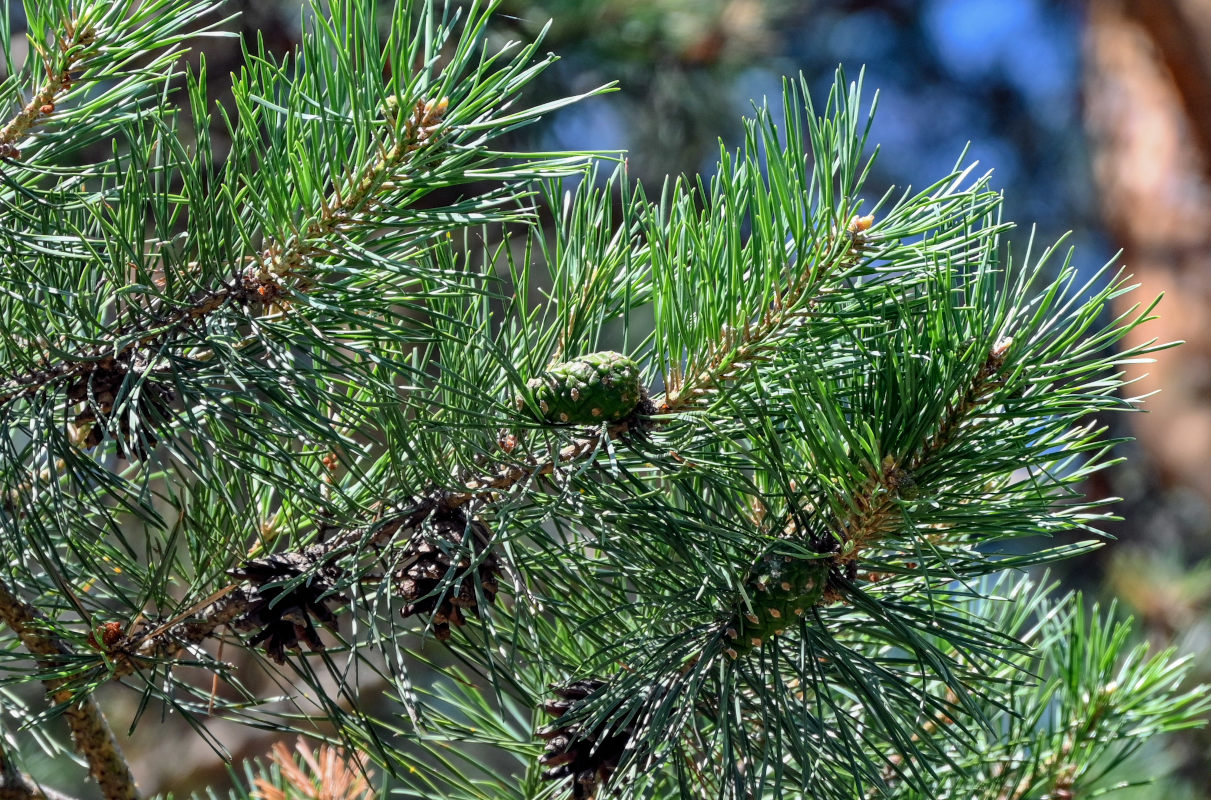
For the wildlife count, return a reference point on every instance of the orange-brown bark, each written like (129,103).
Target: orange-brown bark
(1148,103)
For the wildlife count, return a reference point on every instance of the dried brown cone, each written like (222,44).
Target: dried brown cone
(445,569)
(589,756)
(284,613)
(99,390)
(252,288)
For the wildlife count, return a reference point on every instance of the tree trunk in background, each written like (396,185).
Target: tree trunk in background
(1148,96)
(1148,112)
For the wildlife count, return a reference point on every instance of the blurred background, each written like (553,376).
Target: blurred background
(1095,116)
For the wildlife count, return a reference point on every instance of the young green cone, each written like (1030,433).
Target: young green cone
(781,591)
(591,389)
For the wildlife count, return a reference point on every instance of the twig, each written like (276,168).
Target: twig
(89,730)
(189,628)
(169,641)
(104,355)
(744,348)
(200,622)
(22,788)
(512,474)
(740,349)
(876,512)
(259,277)
(75,45)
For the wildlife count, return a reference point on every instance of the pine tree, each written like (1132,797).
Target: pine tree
(521,480)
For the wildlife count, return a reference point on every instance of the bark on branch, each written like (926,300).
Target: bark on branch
(89,730)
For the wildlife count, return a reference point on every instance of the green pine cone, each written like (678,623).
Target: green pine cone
(591,389)
(781,591)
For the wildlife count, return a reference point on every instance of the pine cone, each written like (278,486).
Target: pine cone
(780,589)
(588,756)
(434,572)
(589,390)
(283,614)
(99,389)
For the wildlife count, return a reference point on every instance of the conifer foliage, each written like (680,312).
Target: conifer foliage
(725,488)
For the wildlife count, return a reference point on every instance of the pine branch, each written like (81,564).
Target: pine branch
(355,439)
(875,508)
(21,787)
(76,44)
(730,357)
(86,51)
(230,604)
(790,308)
(167,322)
(24,790)
(339,213)
(168,641)
(511,475)
(89,728)
(261,279)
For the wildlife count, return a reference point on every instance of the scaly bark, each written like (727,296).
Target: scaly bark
(89,730)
